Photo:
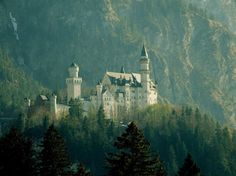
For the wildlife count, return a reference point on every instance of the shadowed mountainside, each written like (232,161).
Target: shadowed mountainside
(192,48)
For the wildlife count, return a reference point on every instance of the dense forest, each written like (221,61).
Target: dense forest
(173,132)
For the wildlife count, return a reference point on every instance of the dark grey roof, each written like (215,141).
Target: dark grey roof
(144,52)
(122,70)
(135,83)
(122,81)
(104,90)
(73,65)
(119,91)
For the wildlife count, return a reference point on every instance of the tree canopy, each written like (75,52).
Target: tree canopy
(54,155)
(133,157)
(189,167)
(16,155)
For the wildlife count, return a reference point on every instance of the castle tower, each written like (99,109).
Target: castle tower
(53,105)
(73,83)
(145,76)
(144,68)
(99,94)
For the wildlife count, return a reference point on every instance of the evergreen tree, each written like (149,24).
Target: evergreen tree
(54,156)
(76,108)
(46,123)
(16,155)
(20,122)
(189,168)
(133,157)
(101,116)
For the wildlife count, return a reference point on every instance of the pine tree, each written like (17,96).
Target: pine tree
(133,157)
(101,117)
(189,168)
(16,155)
(54,156)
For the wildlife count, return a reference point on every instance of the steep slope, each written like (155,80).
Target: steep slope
(225,12)
(15,85)
(192,49)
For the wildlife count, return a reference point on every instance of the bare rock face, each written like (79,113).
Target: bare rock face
(192,46)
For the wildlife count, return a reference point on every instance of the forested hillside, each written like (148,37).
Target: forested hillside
(15,86)
(192,46)
(172,132)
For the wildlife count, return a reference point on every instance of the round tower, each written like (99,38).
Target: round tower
(73,83)
(53,105)
(73,71)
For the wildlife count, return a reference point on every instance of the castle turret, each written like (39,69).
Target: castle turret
(122,70)
(99,94)
(73,83)
(144,68)
(53,105)
(27,102)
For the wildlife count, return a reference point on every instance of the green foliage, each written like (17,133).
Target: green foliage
(101,117)
(15,85)
(133,157)
(182,130)
(76,108)
(172,132)
(87,141)
(54,156)
(16,155)
(189,167)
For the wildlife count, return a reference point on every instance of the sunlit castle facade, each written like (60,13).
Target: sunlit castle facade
(73,83)
(117,91)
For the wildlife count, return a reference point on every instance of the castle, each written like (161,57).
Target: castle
(116,92)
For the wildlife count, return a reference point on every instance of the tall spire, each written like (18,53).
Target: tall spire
(144,52)
(122,70)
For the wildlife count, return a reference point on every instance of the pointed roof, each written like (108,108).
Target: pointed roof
(73,65)
(144,52)
(122,70)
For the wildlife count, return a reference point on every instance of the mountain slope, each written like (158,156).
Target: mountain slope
(191,48)
(15,85)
